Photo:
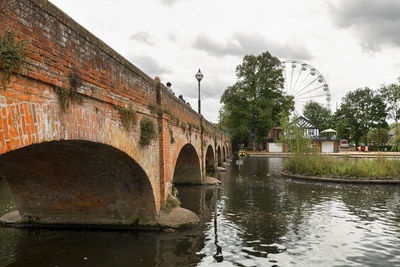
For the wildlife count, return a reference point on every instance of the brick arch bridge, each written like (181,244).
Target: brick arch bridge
(81,164)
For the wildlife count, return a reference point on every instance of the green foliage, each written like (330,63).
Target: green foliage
(184,126)
(171,134)
(293,136)
(70,95)
(156,109)
(159,110)
(360,111)
(172,202)
(391,96)
(380,135)
(256,99)
(148,131)
(12,55)
(65,96)
(395,139)
(316,165)
(128,116)
(319,115)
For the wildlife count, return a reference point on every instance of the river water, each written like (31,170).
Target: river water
(262,220)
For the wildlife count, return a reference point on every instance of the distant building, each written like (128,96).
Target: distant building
(325,141)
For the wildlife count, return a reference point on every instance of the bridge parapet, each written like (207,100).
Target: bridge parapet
(64,53)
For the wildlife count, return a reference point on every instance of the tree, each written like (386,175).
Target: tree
(380,135)
(319,115)
(391,96)
(360,111)
(293,136)
(256,99)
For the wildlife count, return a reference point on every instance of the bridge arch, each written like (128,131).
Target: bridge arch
(210,159)
(219,156)
(224,153)
(187,166)
(78,182)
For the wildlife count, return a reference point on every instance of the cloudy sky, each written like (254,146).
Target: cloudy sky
(351,43)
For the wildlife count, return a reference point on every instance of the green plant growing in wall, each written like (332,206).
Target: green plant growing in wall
(12,55)
(171,134)
(148,131)
(66,96)
(128,116)
(184,126)
(172,202)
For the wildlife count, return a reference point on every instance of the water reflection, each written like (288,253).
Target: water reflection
(255,218)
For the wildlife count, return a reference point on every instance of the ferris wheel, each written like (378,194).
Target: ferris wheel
(305,84)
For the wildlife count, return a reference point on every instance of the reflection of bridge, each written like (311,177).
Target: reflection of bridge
(81,164)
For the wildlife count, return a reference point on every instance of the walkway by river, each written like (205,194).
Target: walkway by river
(263,220)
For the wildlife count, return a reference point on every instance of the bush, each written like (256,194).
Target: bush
(128,116)
(148,131)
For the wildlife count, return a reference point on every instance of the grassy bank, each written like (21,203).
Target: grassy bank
(315,165)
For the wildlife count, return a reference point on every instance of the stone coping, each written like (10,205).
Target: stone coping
(350,180)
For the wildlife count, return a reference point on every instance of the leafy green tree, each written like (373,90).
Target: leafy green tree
(293,136)
(319,115)
(360,111)
(256,99)
(391,96)
(379,135)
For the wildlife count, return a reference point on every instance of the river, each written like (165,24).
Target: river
(262,220)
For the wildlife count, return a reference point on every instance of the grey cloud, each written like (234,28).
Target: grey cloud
(209,89)
(376,23)
(143,37)
(241,44)
(169,2)
(149,65)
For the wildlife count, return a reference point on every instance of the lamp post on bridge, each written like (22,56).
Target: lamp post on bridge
(199,76)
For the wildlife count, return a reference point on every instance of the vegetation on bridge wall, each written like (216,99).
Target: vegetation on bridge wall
(12,55)
(128,116)
(148,131)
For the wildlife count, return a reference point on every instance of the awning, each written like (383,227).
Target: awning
(328,131)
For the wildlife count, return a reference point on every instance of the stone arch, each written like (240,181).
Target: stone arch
(187,166)
(219,156)
(78,182)
(210,159)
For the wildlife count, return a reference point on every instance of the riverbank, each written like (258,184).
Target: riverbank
(350,154)
(340,179)
(315,166)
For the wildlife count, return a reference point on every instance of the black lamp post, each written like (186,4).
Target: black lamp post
(199,76)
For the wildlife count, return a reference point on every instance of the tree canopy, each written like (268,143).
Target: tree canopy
(256,99)
(360,111)
(319,115)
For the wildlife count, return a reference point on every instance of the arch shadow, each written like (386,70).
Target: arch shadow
(210,159)
(219,156)
(187,167)
(78,182)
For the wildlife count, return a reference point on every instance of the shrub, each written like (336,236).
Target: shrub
(128,116)
(148,131)
(12,55)
(172,202)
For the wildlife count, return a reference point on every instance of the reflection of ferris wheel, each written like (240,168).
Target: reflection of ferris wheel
(305,84)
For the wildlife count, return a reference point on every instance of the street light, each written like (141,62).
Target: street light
(199,76)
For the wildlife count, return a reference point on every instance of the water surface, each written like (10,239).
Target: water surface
(262,220)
